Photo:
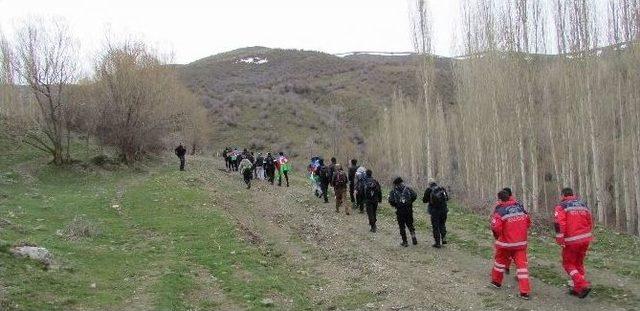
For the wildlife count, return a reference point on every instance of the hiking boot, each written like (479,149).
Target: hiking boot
(496,284)
(444,242)
(585,292)
(436,245)
(414,240)
(404,244)
(373,229)
(524,296)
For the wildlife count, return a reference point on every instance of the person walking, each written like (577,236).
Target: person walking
(372,196)
(283,167)
(339,182)
(436,198)
(181,152)
(270,167)
(574,225)
(325,179)
(360,177)
(352,178)
(402,198)
(259,167)
(510,225)
(246,169)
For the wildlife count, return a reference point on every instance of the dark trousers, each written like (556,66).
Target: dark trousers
(360,204)
(372,213)
(182,162)
(248,175)
(405,221)
(271,175)
(438,223)
(325,188)
(286,176)
(351,189)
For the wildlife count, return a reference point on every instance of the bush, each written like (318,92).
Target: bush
(80,228)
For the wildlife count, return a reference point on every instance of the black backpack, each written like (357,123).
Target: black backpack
(371,189)
(324,174)
(438,197)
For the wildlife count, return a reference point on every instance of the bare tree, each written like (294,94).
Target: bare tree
(44,58)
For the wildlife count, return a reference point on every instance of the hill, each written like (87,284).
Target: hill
(285,99)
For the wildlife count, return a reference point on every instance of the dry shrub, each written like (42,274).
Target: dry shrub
(80,228)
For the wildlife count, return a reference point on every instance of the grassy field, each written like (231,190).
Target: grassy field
(153,234)
(152,238)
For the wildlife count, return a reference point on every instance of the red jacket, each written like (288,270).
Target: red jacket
(510,224)
(573,221)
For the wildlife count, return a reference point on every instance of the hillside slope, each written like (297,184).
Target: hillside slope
(287,99)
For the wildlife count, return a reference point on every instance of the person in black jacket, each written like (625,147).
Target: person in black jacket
(270,167)
(325,179)
(402,198)
(181,152)
(436,197)
(372,197)
(259,167)
(352,178)
(332,169)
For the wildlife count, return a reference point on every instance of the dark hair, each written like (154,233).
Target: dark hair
(281,153)
(397,181)
(321,161)
(567,192)
(503,195)
(508,190)
(333,160)
(354,161)
(369,173)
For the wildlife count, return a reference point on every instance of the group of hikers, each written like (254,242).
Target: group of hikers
(259,167)
(510,221)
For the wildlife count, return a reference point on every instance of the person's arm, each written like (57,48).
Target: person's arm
(414,196)
(392,200)
(496,225)
(427,195)
(379,194)
(560,217)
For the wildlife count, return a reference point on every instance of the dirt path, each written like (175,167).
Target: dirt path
(371,271)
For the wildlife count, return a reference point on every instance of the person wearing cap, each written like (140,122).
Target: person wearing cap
(574,225)
(510,225)
(339,182)
(436,198)
(402,198)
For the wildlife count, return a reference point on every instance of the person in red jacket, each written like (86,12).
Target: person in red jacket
(510,225)
(573,226)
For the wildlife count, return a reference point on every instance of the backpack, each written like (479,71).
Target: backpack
(371,189)
(438,197)
(341,179)
(403,198)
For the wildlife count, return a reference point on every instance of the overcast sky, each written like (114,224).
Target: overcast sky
(193,29)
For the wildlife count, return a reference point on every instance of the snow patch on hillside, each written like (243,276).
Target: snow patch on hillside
(374,54)
(253,60)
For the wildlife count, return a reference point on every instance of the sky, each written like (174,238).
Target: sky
(193,29)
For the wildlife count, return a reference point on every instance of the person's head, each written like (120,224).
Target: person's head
(432,182)
(354,162)
(369,173)
(567,192)
(398,181)
(503,196)
(508,190)
(281,153)
(321,162)
(338,167)
(268,154)
(333,160)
